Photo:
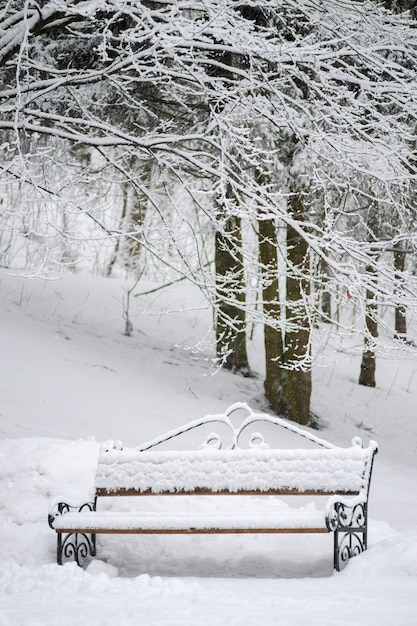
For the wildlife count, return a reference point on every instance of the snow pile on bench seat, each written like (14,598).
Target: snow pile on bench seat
(135,521)
(330,470)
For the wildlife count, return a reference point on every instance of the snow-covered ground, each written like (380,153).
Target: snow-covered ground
(70,379)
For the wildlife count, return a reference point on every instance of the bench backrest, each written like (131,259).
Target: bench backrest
(259,469)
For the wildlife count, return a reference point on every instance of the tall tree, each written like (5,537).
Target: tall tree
(400,323)
(273,319)
(368,365)
(231,296)
(297,349)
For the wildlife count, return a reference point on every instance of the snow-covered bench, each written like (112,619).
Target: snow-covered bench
(317,469)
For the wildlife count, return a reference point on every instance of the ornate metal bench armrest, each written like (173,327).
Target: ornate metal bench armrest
(60,508)
(347,518)
(346,512)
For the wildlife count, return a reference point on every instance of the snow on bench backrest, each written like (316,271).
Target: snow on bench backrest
(257,468)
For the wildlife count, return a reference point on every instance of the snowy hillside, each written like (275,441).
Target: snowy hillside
(70,379)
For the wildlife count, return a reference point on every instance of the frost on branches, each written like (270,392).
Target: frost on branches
(264,151)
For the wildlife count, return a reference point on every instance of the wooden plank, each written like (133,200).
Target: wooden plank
(102,492)
(188,531)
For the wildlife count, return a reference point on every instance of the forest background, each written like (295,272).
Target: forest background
(265,152)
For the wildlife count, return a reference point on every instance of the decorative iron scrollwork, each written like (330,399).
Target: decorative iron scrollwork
(349,546)
(349,524)
(78,546)
(214,440)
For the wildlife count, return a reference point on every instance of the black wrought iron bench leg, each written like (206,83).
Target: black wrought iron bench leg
(350,530)
(79,546)
(347,544)
(75,545)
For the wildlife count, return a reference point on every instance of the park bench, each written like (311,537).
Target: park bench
(319,468)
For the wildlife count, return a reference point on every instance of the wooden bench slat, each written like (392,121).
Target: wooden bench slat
(191,531)
(340,469)
(202,491)
(180,522)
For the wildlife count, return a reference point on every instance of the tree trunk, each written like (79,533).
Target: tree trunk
(368,364)
(326,298)
(271,309)
(115,252)
(400,311)
(231,298)
(135,202)
(297,385)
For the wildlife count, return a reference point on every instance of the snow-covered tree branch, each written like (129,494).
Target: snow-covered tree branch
(293,115)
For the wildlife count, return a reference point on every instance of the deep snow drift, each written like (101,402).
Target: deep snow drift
(69,380)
